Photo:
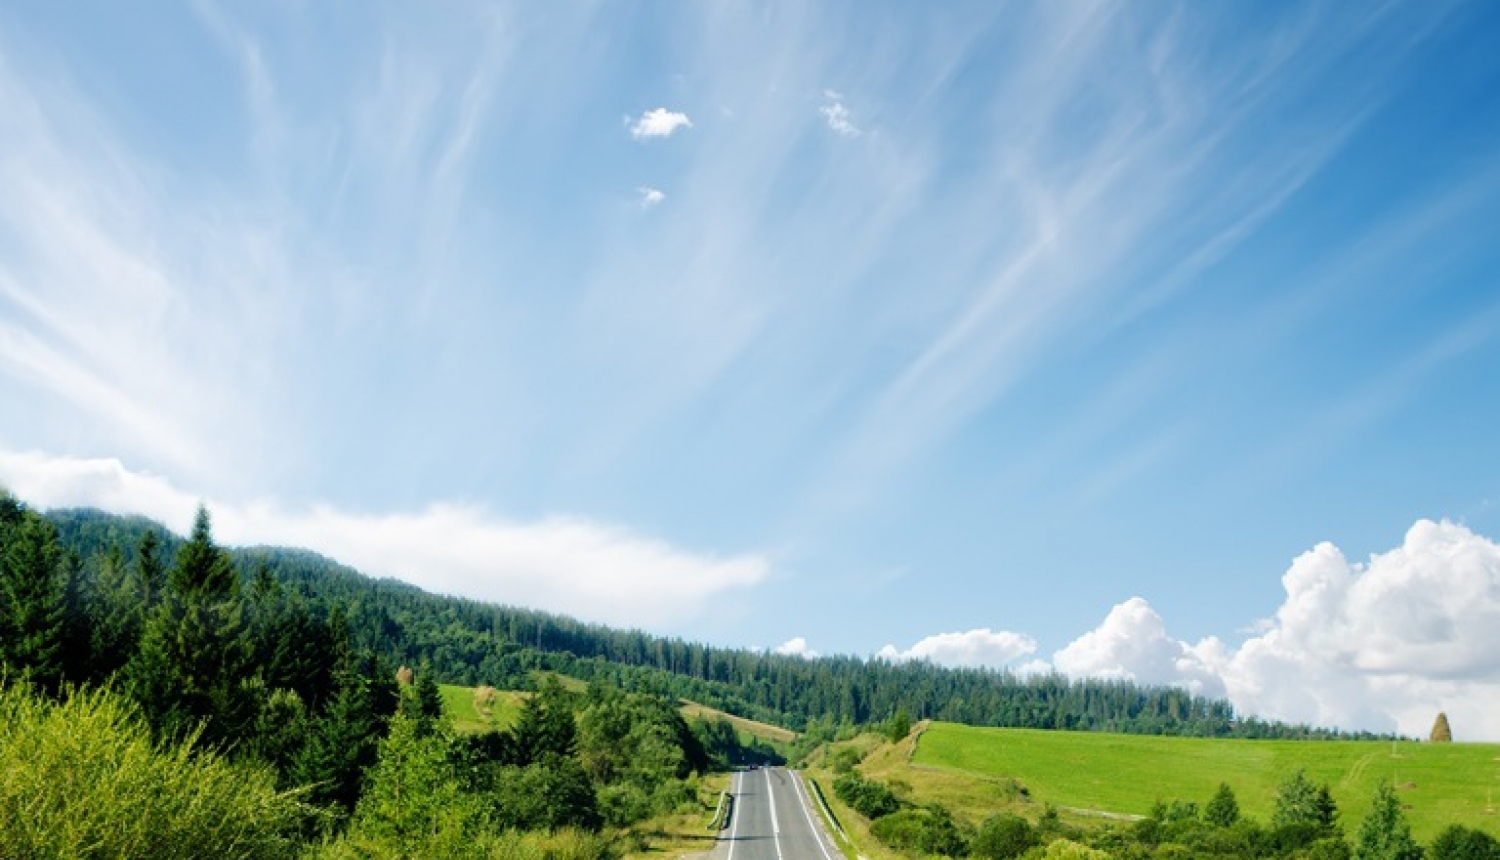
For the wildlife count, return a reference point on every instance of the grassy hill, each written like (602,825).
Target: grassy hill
(480,709)
(753,728)
(1440,784)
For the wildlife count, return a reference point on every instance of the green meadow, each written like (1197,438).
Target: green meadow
(481,709)
(1439,784)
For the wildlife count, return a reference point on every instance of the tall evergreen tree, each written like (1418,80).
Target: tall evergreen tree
(1385,834)
(32,600)
(193,662)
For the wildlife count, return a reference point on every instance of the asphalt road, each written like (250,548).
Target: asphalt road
(773,818)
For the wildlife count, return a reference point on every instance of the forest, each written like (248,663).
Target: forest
(167,696)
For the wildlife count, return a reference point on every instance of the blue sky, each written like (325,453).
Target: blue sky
(1083,333)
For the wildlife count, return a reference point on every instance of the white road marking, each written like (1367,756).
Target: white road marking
(817,831)
(734,810)
(775,826)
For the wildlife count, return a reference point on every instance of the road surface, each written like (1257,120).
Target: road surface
(774,817)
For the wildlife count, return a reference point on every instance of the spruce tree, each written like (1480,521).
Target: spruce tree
(1223,810)
(194,656)
(1385,833)
(32,600)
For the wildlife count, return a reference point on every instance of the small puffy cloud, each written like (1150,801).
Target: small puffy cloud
(650,196)
(570,565)
(839,117)
(973,648)
(659,122)
(796,647)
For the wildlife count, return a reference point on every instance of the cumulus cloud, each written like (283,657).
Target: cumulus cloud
(839,117)
(1132,644)
(973,648)
(1382,645)
(659,122)
(570,565)
(650,196)
(796,647)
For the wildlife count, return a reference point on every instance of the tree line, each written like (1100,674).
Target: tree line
(162,696)
(472,642)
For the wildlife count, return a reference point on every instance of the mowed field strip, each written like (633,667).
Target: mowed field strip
(1439,784)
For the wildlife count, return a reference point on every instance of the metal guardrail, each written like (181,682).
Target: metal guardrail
(817,791)
(721,812)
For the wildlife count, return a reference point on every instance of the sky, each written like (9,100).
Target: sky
(1151,341)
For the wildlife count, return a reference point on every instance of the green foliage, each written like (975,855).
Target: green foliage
(546,725)
(82,778)
(868,797)
(898,726)
(548,794)
(1385,834)
(1068,849)
(1301,804)
(32,592)
(342,742)
(1462,843)
(926,830)
(415,800)
(1223,810)
(506,845)
(1004,836)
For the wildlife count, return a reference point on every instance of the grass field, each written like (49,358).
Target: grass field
(1440,784)
(753,728)
(472,717)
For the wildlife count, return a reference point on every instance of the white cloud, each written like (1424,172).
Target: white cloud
(797,647)
(1383,645)
(650,196)
(974,648)
(570,565)
(659,122)
(1131,644)
(839,117)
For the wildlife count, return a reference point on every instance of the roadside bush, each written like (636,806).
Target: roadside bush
(868,797)
(1004,836)
(82,778)
(927,830)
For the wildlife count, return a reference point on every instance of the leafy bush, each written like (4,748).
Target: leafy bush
(1460,843)
(1004,836)
(868,797)
(928,830)
(82,778)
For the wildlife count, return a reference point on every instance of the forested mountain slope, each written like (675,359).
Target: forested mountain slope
(467,642)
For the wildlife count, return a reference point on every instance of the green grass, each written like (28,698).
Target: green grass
(1440,784)
(469,718)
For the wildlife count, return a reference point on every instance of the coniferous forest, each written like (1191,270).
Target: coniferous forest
(181,680)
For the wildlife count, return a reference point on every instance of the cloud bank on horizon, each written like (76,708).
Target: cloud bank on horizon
(568,565)
(1381,645)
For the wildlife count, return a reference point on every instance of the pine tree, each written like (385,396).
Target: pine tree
(1385,833)
(194,658)
(151,576)
(1223,810)
(1300,803)
(1441,733)
(32,600)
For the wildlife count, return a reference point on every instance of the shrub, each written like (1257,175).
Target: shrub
(928,830)
(1004,836)
(868,797)
(82,778)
